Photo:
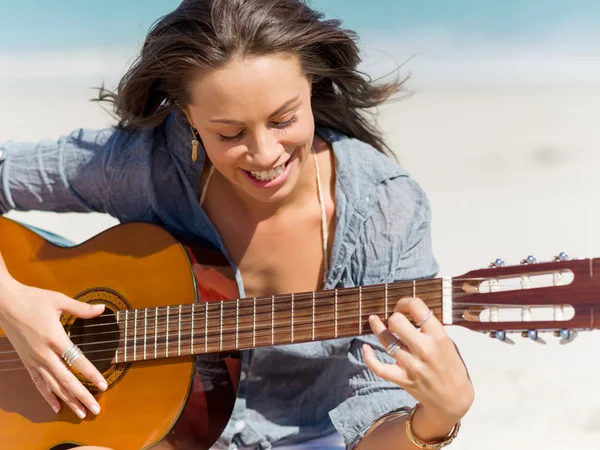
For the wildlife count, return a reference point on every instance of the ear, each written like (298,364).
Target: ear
(188,116)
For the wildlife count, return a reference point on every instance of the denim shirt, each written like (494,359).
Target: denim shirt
(290,393)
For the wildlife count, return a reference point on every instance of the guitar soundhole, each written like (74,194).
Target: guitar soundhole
(98,339)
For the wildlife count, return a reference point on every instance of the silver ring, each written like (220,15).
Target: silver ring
(71,354)
(393,347)
(422,321)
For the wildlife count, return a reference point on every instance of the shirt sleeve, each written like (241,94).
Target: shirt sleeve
(403,217)
(71,174)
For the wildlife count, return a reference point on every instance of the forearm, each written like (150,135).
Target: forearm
(389,433)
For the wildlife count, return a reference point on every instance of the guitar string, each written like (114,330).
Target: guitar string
(163,319)
(343,294)
(186,344)
(229,313)
(226,337)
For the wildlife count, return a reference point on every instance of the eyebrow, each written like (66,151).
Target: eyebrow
(277,111)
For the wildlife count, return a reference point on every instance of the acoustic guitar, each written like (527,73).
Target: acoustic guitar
(168,342)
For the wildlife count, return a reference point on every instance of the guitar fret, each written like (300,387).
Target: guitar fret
(206,329)
(272,319)
(117,351)
(167,335)
(254,323)
(447,307)
(145,330)
(292,327)
(155,332)
(335,314)
(414,289)
(192,331)
(313,316)
(385,296)
(126,323)
(135,335)
(221,330)
(237,322)
(179,333)
(360,310)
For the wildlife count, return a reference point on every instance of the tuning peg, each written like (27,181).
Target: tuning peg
(497,263)
(501,336)
(533,335)
(562,256)
(566,336)
(529,260)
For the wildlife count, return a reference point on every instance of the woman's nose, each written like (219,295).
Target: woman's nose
(264,153)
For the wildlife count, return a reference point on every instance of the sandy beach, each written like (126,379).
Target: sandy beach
(511,170)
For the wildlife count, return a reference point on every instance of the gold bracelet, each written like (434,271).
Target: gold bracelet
(428,445)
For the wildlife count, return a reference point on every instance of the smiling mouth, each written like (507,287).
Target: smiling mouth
(268,175)
(271,174)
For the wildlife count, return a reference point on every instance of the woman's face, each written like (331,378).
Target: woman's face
(255,120)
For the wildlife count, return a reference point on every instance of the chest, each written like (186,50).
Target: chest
(279,257)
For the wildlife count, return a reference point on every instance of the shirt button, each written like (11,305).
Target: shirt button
(240,425)
(243,375)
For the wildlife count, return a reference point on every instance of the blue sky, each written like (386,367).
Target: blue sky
(42,25)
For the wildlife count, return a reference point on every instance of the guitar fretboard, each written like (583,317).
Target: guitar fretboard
(211,327)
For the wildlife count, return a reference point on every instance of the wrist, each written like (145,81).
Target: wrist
(429,425)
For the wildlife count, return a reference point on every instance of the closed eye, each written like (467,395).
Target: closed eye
(286,124)
(278,125)
(237,137)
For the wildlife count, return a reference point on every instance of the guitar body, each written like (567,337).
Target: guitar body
(174,403)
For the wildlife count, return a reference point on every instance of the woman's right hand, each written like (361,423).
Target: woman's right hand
(30,318)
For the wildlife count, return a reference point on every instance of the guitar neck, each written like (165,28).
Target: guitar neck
(211,327)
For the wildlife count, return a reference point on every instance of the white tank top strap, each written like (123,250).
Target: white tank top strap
(205,187)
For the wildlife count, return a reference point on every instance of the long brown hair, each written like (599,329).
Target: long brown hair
(205,34)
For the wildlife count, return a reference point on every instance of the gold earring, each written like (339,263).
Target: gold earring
(195,143)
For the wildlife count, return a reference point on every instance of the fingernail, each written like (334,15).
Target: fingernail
(55,408)
(371,318)
(99,306)
(95,409)
(80,413)
(102,385)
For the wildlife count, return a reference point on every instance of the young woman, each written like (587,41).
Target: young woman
(242,123)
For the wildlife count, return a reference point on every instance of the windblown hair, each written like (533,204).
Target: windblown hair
(205,34)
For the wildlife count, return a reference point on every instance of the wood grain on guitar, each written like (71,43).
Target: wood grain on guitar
(169,340)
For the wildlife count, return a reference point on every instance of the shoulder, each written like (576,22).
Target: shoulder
(167,135)
(142,163)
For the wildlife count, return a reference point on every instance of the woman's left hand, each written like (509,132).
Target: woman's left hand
(428,365)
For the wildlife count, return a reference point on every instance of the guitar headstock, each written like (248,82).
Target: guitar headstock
(562,296)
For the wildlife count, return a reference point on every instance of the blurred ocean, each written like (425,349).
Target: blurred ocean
(462,41)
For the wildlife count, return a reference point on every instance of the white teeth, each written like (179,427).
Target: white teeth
(268,175)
